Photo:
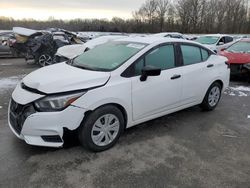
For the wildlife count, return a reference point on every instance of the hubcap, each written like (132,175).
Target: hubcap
(105,130)
(45,60)
(214,96)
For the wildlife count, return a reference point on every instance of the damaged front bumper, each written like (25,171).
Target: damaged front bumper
(40,128)
(43,128)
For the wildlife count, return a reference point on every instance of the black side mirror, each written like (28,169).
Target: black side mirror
(149,71)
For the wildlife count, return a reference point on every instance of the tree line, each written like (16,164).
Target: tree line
(186,16)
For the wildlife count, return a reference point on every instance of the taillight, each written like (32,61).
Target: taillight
(228,64)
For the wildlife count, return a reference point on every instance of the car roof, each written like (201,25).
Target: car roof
(167,33)
(152,39)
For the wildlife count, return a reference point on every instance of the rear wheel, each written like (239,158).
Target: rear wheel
(212,97)
(102,128)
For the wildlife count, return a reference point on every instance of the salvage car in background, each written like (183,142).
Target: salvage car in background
(115,86)
(216,42)
(238,56)
(69,52)
(41,45)
(170,35)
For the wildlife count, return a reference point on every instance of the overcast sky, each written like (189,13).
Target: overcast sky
(68,9)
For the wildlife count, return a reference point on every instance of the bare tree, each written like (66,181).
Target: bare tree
(162,9)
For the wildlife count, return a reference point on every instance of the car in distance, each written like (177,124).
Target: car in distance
(169,35)
(215,42)
(238,56)
(113,87)
(6,41)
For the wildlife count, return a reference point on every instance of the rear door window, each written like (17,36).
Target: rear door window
(191,54)
(205,54)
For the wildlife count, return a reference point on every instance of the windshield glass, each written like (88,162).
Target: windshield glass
(241,47)
(108,56)
(207,39)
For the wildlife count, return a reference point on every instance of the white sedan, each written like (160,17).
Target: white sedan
(113,87)
(216,42)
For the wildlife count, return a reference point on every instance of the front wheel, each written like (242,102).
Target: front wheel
(102,128)
(45,60)
(212,97)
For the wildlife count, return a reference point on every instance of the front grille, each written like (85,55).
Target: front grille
(18,114)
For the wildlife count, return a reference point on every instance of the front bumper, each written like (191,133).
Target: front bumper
(43,128)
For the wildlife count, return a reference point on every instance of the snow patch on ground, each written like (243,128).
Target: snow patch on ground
(240,91)
(9,82)
(6,64)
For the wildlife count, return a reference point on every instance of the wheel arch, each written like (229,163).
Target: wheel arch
(218,81)
(117,105)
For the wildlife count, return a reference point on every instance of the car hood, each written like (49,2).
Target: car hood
(71,51)
(236,58)
(62,77)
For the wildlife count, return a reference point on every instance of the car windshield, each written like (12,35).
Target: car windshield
(207,39)
(241,47)
(108,56)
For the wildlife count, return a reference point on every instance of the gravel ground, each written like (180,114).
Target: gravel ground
(190,148)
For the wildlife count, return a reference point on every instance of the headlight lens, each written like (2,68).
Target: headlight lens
(56,102)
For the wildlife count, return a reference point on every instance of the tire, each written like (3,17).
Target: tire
(45,60)
(96,132)
(212,97)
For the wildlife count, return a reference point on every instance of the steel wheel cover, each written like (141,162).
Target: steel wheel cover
(105,130)
(214,96)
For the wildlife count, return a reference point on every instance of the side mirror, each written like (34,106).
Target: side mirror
(149,71)
(221,43)
(223,49)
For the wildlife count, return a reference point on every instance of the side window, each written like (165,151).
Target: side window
(191,54)
(205,54)
(229,39)
(162,57)
(221,41)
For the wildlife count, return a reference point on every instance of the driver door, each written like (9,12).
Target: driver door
(160,93)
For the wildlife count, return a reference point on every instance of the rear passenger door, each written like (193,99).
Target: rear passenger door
(197,72)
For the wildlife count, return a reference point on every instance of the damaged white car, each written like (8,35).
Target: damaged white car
(115,86)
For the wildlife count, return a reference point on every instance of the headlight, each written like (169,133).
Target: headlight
(56,102)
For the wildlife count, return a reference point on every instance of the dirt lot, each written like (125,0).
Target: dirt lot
(190,148)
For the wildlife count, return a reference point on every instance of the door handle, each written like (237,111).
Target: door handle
(175,77)
(210,65)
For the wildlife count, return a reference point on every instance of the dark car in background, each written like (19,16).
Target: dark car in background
(41,45)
